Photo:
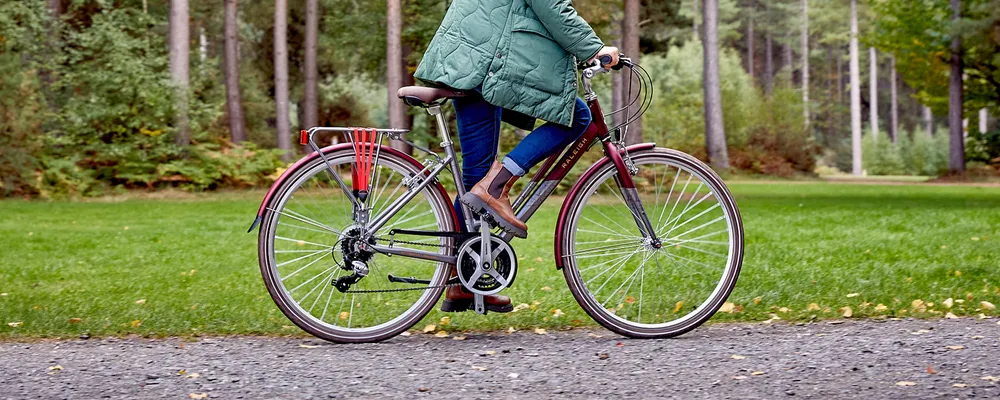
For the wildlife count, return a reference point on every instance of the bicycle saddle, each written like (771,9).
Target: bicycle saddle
(421,96)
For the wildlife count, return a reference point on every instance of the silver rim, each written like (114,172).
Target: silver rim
(302,237)
(627,281)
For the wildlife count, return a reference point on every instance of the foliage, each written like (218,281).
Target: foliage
(912,154)
(764,136)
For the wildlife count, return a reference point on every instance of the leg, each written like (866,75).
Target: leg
(548,139)
(479,134)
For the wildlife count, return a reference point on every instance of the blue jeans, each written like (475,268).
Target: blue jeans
(479,135)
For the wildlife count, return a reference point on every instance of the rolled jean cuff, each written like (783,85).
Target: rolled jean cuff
(513,167)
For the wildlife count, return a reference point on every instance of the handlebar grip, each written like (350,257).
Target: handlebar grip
(605,60)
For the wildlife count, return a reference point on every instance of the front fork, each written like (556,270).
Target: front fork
(626,169)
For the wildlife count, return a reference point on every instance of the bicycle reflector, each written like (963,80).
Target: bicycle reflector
(303,137)
(364,153)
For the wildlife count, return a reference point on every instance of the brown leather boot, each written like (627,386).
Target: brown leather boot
(457,299)
(480,200)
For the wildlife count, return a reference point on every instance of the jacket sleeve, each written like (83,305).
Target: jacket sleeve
(567,27)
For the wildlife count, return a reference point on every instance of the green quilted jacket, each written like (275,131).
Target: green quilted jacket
(522,52)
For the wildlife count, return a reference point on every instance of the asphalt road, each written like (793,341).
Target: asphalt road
(877,359)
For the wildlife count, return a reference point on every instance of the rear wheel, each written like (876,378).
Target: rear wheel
(308,240)
(629,283)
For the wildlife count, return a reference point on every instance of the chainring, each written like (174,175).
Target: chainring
(505,265)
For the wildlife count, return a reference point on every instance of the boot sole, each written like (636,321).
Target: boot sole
(479,206)
(469,305)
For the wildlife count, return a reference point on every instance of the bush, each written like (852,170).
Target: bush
(921,155)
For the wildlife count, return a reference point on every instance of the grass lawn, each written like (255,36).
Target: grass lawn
(178,266)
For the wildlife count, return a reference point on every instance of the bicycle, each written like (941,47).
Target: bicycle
(333,220)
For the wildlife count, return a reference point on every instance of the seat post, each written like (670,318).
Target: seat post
(442,125)
(456,169)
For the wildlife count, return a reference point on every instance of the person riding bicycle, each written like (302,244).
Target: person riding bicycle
(516,60)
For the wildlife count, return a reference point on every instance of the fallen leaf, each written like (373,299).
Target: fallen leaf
(430,328)
(918,305)
(757,300)
(534,305)
(958,273)
(757,373)
(441,334)
(491,352)
(198,395)
(15,324)
(541,331)
(458,337)
(990,378)
(975,239)
(881,307)
(678,306)
(511,330)
(445,321)
(194,375)
(727,307)
(344,315)
(75,320)
(520,307)
(478,368)
(920,332)
(307,346)
(557,313)
(949,315)
(905,383)
(948,302)
(423,389)
(513,375)
(846,311)
(739,377)
(301,243)
(957,347)
(602,356)
(135,323)
(784,310)
(987,305)
(813,307)
(546,289)
(738,357)
(182,372)
(853,294)
(930,370)
(619,344)
(405,333)
(3,294)
(594,335)
(56,368)
(959,385)
(629,299)
(538,259)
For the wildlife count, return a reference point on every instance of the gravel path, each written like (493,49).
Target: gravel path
(890,359)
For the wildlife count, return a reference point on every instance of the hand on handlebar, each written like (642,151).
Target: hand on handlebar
(608,57)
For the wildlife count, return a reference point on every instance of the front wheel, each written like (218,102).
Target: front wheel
(640,287)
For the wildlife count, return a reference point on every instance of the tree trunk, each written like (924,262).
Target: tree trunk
(956,158)
(929,121)
(984,120)
(894,101)
(855,94)
(789,64)
(805,61)
(310,112)
(873,92)
(630,47)
(234,102)
(281,77)
(750,48)
(180,56)
(394,70)
(840,76)
(768,64)
(715,135)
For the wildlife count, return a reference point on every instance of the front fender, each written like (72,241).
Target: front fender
(327,150)
(573,192)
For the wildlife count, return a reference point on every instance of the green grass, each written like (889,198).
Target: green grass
(71,268)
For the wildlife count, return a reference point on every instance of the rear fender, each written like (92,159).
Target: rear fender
(575,191)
